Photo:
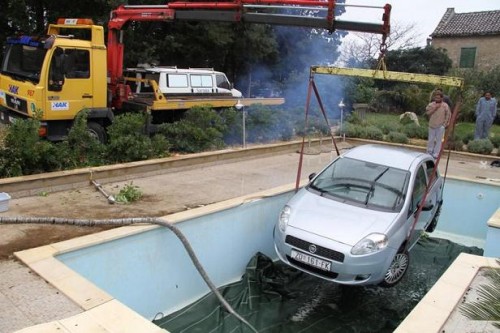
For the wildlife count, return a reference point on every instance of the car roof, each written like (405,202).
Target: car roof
(396,157)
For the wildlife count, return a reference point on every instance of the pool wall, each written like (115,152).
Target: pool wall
(147,269)
(151,271)
(492,246)
(467,207)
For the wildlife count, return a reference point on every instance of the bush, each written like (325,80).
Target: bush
(353,131)
(480,146)
(354,118)
(201,129)
(468,137)
(80,148)
(454,143)
(129,193)
(413,131)
(265,124)
(372,133)
(389,127)
(128,140)
(495,140)
(397,137)
(23,151)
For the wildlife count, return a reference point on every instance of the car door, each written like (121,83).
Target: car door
(417,194)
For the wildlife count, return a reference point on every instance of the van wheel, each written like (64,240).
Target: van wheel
(397,269)
(97,131)
(432,226)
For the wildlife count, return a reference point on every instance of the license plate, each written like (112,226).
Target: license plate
(310,260)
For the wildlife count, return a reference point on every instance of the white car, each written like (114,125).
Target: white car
(353,223)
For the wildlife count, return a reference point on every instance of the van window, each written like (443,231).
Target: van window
(177,81)
(201,80)
(222,81)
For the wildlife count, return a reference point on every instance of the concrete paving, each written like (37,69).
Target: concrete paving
(26,299)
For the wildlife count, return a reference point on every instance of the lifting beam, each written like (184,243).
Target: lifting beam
(390,75)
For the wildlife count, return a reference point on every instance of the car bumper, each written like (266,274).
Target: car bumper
(351,270)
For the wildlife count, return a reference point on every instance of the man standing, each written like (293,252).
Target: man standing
(439,118)
(486,110)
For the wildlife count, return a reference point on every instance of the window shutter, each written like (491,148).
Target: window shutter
(467,57)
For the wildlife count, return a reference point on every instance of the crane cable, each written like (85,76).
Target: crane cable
(127,222)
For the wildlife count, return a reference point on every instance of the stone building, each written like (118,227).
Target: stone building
(472,40)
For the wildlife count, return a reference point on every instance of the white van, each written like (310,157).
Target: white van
(174,81)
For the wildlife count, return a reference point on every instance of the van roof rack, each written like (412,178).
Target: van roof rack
(203,68)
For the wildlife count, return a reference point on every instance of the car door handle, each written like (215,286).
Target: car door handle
(87,96)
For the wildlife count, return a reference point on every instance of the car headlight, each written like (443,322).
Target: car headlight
(284,217)
(369,244)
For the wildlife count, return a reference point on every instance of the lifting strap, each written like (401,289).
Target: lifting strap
(312,87)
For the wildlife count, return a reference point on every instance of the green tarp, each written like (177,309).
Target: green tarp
(276,298)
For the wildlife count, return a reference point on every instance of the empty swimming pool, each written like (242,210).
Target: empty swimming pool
(147,269)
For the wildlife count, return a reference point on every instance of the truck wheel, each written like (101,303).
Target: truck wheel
(97,131)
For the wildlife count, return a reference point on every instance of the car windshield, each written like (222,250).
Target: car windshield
(374,186)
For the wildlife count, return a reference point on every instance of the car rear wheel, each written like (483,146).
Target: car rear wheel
(432,226)
(397,269)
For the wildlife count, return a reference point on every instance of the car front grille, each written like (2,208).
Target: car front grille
(320,251)
(306,267)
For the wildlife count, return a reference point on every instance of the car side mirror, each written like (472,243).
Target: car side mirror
(312,175)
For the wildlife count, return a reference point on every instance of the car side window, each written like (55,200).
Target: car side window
(429,166)
(418,189)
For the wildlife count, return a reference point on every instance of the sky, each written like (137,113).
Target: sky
(426,14)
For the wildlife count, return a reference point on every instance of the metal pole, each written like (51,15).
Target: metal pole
(341,120)
(244,130)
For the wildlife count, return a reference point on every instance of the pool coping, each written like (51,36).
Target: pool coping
(109,315)
(435,308)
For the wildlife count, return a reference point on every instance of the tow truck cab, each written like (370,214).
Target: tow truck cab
(55,77)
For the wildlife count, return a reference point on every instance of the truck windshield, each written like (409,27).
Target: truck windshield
(23,62)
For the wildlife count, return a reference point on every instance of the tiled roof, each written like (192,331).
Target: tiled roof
(468,24)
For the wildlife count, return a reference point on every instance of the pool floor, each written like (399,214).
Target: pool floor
(276,298)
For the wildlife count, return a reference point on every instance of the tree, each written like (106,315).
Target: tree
(427,60)
(364,47)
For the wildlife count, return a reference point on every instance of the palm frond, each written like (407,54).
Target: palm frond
(487,307)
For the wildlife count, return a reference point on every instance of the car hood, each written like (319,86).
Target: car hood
(335,220)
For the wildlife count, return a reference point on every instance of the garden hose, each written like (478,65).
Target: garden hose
(131,221)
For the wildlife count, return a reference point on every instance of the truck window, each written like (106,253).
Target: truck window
(24,61)
(77,64)
(222,81)
(56,71)
(177,81)
(201,81)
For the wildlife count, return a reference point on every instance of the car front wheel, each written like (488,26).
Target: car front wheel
(397,269)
